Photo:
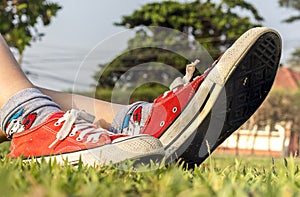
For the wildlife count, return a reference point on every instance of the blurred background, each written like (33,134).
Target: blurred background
(108,49)
(77,28)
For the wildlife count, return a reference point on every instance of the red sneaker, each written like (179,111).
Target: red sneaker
(72,135)
(210,108)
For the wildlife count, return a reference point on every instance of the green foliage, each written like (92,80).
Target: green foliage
(20,17)
(163,36)
(146,92)
(215,26)
(294,60)
(220,175)
(294,4)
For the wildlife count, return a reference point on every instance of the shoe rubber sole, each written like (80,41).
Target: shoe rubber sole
(232,91)
(140,149)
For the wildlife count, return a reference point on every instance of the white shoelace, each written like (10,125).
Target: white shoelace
(83,123)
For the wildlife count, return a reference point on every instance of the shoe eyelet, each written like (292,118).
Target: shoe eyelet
(174,110)
(71,134)
(162,123)
(57,124)
(78,139)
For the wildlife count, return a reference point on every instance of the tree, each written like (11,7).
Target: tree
(294,4)
(215,26)
(19,19)
(171,24)
(280,107)
(294,60)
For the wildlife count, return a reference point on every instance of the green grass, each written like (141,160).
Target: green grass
(219,175)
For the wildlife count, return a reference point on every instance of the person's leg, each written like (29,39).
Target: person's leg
(18,98)
(14,81)
(12,78)
(103,111)
(132,118)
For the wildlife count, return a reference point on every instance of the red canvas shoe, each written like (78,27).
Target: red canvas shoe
(192,120)
(71,135)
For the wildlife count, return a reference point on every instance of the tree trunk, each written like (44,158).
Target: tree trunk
(237,142)
(287,138)
(294,144)
(255,131)
(268,129)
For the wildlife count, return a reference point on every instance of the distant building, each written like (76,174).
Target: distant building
(287,78)
(263,141)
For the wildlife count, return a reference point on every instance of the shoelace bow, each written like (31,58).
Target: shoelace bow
(187,78)
(83,123)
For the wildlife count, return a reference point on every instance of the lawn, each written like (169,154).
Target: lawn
(220,175)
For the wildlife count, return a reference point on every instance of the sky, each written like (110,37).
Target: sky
(83,35)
